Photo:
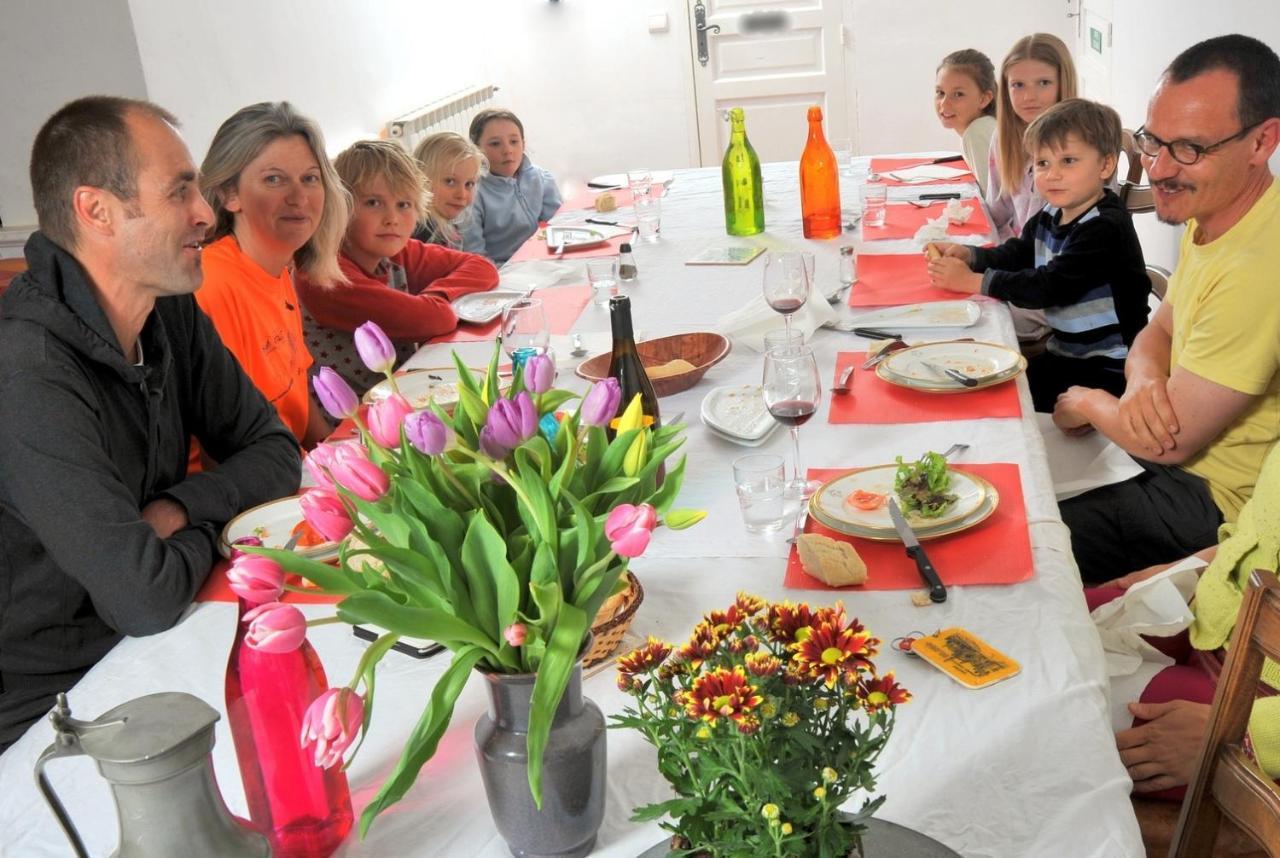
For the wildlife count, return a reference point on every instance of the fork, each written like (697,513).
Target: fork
(801,517)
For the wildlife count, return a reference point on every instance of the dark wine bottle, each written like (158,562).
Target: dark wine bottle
(624,363)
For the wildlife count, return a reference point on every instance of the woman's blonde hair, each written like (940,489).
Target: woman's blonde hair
(242,138)
(1012,159)
(366,160)
(440,152)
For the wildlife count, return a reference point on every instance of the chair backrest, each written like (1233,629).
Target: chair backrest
(1159,278)
(1226,780)
(1136,196)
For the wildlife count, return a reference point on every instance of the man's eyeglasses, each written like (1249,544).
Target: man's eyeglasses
(1183,151)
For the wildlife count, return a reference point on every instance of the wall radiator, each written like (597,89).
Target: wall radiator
(451,113)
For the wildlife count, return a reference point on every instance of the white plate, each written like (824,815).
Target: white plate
(742,442)
(921,365)
(573,237)
(619,180)
(922,532)
(273,523)
(421,387)
(481,308)
(828,502)
(935,314)
(738,411)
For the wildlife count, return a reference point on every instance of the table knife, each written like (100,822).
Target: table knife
(951,196)
(937,592)
(953,374)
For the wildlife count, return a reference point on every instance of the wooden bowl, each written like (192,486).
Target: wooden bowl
(702,349)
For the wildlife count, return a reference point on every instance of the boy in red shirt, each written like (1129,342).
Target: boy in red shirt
(398,282)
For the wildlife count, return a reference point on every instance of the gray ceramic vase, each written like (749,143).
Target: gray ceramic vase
(573,769)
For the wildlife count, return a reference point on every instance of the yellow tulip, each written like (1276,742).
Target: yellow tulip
(634,460)
(633,417)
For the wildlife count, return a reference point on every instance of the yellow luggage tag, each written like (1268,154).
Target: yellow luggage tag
(965,658)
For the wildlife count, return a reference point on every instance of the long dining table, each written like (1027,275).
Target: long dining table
(1026,767)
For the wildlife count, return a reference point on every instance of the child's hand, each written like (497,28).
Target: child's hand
(947,248)
(954,275)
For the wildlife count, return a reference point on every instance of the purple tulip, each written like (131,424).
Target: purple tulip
(426,432)
(375,348)
(509,424)
(539,373)
(335,395)
(601,402)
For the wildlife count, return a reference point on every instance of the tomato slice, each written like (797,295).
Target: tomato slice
(310,536)
(865,500)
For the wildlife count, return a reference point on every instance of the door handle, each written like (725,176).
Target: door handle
(702,28)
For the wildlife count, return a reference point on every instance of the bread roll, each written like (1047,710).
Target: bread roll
(932,252)
(831,561)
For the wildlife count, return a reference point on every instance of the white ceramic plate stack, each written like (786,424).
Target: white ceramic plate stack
(921,367)
(738,414)
(976,499)
(273,523)
(573,237)
(481,308)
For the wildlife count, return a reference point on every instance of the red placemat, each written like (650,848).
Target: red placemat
(216,589)
(997,551)
(562,304)
(893,279)
(885,165)
(903,220)
(871,399)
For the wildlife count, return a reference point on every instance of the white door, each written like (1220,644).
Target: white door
(775,60)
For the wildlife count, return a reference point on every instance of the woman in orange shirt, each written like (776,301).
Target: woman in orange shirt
(279,207)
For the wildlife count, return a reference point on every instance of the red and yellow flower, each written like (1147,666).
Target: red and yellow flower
(762,664)
(642,659)
(787,621)
(702,644)
(722,693)
(749,604)
(832,651)
(881,692)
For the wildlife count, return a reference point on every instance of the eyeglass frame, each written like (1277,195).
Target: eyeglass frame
(1143,134)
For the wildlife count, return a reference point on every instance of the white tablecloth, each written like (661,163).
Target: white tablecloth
(1026,767)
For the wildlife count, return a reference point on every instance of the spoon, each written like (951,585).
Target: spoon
(842,386)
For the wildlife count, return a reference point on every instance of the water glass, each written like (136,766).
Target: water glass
(761,485)
(640,182)
(782,338)
(648,217)
(602,274)
(842,148)
(875,197)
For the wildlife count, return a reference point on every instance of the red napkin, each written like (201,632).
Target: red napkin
(562,304)
(871,399)
(903,220)
(216,589)
(884,165)
(893,279)
(997,551)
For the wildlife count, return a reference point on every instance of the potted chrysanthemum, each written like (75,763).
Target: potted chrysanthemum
(497,530)
(765,721)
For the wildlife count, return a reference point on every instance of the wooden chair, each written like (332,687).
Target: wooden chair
(1227,783)
(1135,196)
(1159,278)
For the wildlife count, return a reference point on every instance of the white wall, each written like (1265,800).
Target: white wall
(52,51)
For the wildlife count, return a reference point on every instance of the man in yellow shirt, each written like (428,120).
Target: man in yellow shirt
(1202,399)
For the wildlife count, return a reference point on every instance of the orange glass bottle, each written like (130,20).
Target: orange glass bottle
(819,183)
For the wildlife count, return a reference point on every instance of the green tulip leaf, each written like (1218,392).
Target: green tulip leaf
(380,609)
(553,675)
(322,574)
(495,587)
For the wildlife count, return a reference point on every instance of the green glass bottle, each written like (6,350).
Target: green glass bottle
(743,189)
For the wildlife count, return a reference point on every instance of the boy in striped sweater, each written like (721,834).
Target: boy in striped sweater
(1078,259)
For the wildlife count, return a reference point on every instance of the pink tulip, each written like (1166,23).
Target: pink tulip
(332,722)
(385,417)
(515,634)
(361,477)
(325,512)
(321,460)
(255,578)
(275,627)
(629,527)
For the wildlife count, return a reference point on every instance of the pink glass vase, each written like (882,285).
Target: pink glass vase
(303,809)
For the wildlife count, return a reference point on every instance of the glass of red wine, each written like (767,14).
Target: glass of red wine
(786,282)
(792,391)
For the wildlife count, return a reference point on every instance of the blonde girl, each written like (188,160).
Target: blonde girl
(1036,74)
(964,97)
(453,166)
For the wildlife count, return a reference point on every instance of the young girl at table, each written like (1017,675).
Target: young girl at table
(402,284)
(964,97)
(514,197)
(453,166)
(1078,259)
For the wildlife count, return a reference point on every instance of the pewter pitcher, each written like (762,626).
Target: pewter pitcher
(156,752)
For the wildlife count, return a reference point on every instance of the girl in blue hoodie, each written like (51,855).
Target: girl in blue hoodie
(514,197)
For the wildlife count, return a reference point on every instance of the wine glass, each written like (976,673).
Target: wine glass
(524,330)
(792,391)
(786,282)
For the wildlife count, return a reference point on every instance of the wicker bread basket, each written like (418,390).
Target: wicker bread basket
(612,621)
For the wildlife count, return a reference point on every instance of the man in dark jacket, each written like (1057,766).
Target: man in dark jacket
(107,370)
